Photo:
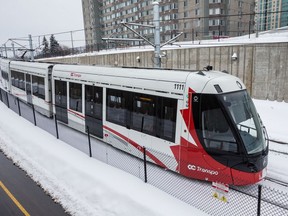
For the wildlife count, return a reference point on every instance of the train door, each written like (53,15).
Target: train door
(61,101)
(28,89)
(93,110)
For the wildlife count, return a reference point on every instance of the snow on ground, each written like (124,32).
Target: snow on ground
(271,36)
(85,186)
(276,123)
(275,117)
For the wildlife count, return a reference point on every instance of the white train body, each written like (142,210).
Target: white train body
(5,74)
(203,121)
(31,82)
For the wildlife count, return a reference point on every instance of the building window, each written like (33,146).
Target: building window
(186,14)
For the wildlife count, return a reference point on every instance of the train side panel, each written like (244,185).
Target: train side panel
(5,74)
(31,83)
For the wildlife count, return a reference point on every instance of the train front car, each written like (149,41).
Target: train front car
(223,138)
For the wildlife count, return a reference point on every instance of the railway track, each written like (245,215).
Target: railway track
(279,142)
(277,181)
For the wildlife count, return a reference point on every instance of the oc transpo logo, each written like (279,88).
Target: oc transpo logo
(200,169)
(73,74)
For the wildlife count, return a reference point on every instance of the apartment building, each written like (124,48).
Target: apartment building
(272,14)
(197,19)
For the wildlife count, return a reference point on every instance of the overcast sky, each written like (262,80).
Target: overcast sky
(19,18)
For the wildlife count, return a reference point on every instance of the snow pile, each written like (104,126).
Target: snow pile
(84,186)
(275,117)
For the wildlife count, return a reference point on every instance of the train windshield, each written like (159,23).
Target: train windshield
(227,117)
(216,131)
(243,113)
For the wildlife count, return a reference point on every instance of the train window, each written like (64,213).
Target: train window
(18,80)
(38,88)
(143,116)
(93,98)
(148,114)
(216,132)
(244,115)
(167,119)
(4,75)
(75,96)
(116,107)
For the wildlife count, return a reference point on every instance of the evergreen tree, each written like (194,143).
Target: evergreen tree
(45,49)
(54,45)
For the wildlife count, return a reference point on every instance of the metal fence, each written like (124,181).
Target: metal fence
(244,200)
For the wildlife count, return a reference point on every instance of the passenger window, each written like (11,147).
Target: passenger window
(147,114)
(38,87)
(144,114)
(75,97)
(168,119)
(93,101)
(18,80)
(116,108)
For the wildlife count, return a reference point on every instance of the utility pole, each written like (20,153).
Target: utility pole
(157,58)
(71,33)
(258,18)
(13,49)
(31,47)
(5,50)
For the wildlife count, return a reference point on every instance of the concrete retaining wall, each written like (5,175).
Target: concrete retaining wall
(262,67)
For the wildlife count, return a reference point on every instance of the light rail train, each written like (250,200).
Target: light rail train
(205,121)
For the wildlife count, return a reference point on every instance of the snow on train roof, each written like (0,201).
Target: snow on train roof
(171,82)
(24,64)
(138,73)
(153,74)
(30,67)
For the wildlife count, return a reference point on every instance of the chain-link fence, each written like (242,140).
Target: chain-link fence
(240,200)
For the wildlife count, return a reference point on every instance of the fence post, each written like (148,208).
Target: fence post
(89,141)
(259,200)
(56,126)
(34,116)
(145,165)
(19,110)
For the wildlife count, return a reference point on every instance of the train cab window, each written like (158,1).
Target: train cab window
(243,114)
(75,96)
(143,116)
(38,88)
(116,107)
(216,132)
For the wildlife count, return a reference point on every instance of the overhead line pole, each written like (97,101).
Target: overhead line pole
(157,43)
(5,50)
(157,60)
(31,48)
